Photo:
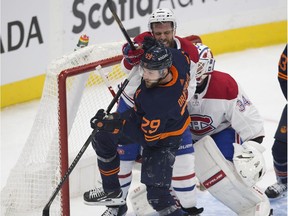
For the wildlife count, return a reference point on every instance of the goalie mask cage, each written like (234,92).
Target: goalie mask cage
(72,94)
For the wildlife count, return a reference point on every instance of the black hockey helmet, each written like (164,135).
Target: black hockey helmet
(157,57)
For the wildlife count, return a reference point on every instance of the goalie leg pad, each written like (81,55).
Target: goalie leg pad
(219,177)
(139,202)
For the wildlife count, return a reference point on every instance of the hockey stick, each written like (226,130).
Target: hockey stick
(111,6)
(46,210)
(106,81)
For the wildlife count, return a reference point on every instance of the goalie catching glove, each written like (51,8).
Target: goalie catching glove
(249,162)
(110,123)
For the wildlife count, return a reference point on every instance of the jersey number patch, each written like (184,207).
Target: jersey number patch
(243,103)
(150,127)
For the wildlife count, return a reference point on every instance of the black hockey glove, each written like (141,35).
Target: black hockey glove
(110,123)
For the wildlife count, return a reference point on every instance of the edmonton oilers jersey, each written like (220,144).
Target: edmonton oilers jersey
(162,110)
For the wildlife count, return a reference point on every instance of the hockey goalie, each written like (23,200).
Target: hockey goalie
(228,132)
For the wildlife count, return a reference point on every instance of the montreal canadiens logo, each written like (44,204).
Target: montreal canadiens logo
(201,125)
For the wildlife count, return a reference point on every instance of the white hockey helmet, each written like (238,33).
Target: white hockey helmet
(206,62)
(249,162)
(162,15)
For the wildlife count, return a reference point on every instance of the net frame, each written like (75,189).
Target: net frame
(23,194)
(63,121)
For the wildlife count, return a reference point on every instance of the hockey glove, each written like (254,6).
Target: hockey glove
(249,162)
(110,123)
(132,56)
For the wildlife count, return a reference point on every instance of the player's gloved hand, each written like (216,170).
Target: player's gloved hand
(249,161)
(132,56)
(110,123)
(248,149)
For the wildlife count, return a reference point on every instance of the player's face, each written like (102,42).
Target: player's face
(164,33)
(152,77)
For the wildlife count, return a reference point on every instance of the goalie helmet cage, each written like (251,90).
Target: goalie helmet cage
(72,94)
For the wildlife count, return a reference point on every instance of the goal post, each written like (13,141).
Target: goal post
(63,120)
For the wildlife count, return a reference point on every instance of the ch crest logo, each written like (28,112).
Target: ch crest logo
(201,125)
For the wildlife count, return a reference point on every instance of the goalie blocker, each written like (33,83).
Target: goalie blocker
(221,179)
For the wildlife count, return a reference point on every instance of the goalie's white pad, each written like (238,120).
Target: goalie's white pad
(139,202)
(219,177)
(249,162)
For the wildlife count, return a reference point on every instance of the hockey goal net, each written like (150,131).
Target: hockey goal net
(73,92)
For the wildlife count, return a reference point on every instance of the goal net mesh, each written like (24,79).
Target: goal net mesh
(38,170)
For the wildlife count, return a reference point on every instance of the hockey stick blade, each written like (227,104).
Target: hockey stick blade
(112,8)
(46,210)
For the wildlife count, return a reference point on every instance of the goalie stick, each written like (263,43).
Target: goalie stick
(46,209)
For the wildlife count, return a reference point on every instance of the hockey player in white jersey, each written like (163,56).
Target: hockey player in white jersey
(227,130)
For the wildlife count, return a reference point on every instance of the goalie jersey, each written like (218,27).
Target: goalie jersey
(223,104)
(161,112)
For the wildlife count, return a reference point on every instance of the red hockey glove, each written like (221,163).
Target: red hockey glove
(132,56)
(110,123)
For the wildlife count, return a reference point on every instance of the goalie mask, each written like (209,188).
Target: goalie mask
(249,162)
(155,63)
(205,64)
(162,15)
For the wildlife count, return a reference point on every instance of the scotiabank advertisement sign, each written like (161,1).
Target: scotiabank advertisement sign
(34,32)
(193,16)
(24,41)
